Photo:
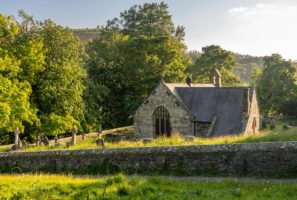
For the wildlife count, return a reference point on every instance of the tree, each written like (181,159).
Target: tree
(131,56)
(214,57)
(20,59)
(59,89)
(276,85)
(149,19)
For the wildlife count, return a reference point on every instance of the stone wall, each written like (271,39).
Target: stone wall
(259,159)
(180,117)
(253,113)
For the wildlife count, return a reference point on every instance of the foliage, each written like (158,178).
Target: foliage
(41,75)
(60,86)
(20,59)
(130,57)
(276,86)
(55,124)
(248,67)
(121,187)
(149,19)
(214,57)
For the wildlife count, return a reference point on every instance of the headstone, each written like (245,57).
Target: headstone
(84,137)
(45,140)
(69,144)
(272,124)
(147,140)
(73,139)
(189,138)
(38,141)
(56,140)
(58,144)
(100,142)
(17,141)
(17,136)
(24,143)
(264,123)
(286,127)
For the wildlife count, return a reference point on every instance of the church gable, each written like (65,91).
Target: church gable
(162,97)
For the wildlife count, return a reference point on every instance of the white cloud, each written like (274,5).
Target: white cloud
(237,10)
(262,29)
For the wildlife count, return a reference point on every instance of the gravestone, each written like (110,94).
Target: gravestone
(264,123)
(57,144)
(56,139)
(147,140)
(100,142)
(189,138)
(45,140)
(38,141)
(84,137)
(73,139)
(24,143)
(272,124)
(17,141)
(69,144)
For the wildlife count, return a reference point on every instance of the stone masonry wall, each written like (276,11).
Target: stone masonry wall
(180,118)
(258,159)
(254,113)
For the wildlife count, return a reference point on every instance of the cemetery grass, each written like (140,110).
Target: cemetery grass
(90,143)
(121,187)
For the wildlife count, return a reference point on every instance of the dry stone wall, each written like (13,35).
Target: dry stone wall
(259,159)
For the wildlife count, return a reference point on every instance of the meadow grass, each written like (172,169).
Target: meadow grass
(90,143)
(121,187)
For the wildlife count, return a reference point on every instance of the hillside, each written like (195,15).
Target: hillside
(245,65)
(86,35)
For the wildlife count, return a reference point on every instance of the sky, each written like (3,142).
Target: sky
(254,27)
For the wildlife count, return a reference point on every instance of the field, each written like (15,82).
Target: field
(120,187)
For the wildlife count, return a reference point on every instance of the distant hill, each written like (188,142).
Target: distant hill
(86,35)
(245,64)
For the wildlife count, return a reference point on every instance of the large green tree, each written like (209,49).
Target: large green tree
(276,85)
(59,90)
(131,56)
(21,58)
(214,57)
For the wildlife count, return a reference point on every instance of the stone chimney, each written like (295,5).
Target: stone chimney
(189,80)
(216,78)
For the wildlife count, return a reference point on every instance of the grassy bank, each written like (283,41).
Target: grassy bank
(263,136)
(121,187)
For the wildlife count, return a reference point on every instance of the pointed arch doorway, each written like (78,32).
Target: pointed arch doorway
(162,122)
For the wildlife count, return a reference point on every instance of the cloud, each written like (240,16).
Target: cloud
(237,10)
(263,29)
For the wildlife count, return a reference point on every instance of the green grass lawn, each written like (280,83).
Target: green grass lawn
(263,136)
(120,187)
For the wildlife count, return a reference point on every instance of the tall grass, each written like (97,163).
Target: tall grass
(263,136)
(120,187)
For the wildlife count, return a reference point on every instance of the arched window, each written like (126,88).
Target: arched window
(162,121)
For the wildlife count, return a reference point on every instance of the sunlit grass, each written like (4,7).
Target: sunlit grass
(122,187)
(90,143)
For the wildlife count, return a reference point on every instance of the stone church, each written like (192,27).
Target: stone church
(200,110)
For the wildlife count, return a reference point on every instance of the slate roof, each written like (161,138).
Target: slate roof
(225,103)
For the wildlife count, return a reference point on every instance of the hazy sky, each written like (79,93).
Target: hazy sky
(245,26)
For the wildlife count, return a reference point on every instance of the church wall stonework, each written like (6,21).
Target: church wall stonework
(253,113)
(180,117)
